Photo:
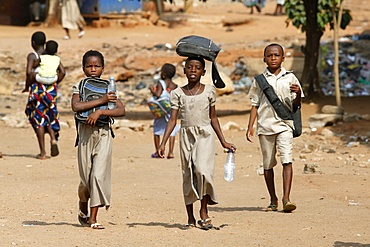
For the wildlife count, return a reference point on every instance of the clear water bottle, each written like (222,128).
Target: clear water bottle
(111,88)
(229,166)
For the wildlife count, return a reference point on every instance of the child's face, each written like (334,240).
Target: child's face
(194,70)
(93,67)
(273,57)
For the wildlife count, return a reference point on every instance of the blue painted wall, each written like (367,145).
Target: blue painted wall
(103,7)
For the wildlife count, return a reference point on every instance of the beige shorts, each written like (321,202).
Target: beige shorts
(270,144)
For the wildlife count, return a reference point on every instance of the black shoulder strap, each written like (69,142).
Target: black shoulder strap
(276,103)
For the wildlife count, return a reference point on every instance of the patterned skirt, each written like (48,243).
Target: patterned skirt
(41,108)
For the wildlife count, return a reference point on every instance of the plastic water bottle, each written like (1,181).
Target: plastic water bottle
(229,166)
(111,88)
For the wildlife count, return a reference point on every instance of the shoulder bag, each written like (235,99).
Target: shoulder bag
(282,111)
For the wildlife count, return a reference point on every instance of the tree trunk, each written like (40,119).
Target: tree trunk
(337,21)
(53,13)
(310,75)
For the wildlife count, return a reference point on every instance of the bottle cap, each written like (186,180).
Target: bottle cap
(229,150)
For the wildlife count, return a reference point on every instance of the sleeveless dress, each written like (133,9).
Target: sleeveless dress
(197,144)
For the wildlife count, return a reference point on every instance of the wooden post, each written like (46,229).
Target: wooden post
(53,13)
(188,6)
(337,21)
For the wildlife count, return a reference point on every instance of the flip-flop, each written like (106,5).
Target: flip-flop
(289,206)
(190,225)
(205,224)
(83,218)
(54,150)
(272,208)
(154,155)
(170,157)
(97,226)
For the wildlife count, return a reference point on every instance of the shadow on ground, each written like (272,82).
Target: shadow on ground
(43,223)
(349,244)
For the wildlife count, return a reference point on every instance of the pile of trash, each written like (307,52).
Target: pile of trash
(354,66)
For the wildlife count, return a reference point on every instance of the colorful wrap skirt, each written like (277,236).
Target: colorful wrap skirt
(41,108)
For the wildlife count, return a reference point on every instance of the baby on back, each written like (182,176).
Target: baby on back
(48,65)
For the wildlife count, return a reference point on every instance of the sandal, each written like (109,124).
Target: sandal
(189,225)
(83,218)
(97,226)
(272,207)
(205,224)
(54,150)
(289,206)
(154,155)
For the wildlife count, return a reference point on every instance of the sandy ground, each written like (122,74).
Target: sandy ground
(39,202)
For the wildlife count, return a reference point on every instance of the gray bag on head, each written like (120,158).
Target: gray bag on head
(197,46)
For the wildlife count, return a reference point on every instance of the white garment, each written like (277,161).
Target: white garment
(71,16)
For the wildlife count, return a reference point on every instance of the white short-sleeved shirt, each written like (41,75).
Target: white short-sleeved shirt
(268,122)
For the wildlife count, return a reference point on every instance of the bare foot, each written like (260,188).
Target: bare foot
(41,157)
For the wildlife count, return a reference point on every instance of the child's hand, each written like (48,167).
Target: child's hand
(160,151)
(93,117)
(294,88)
(229,146)
(110,97)
(250,135)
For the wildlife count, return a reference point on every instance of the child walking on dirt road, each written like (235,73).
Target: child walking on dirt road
(274,133)
(164,86)
(41,108)
(94,142)
(195,102)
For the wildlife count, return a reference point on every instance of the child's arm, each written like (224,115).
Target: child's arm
(60,72)
(295,88)
(119,111)
(78,106)
(32,62)
(252,118)
(216,127)
(156,93)
(169,128)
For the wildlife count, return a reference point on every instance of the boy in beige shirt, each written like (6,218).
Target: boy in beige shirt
(273,132)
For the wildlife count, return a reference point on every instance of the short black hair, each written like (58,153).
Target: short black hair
(38,38)
(51,47)
(273,44)
(92,53)
(200,59)
(169,70)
